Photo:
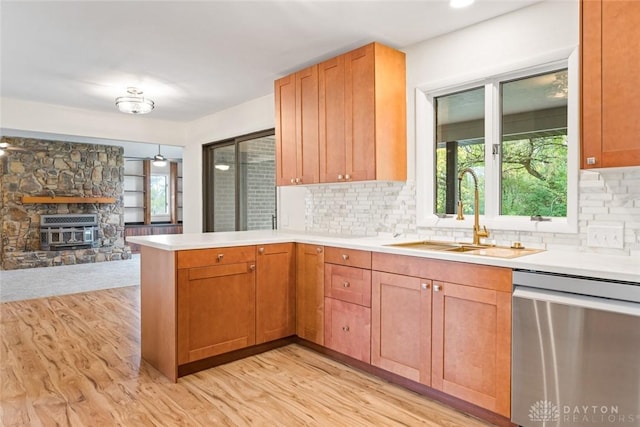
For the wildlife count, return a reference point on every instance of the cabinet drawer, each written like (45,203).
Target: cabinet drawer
(348,257)
(348,284)
(347,329)
(216,256)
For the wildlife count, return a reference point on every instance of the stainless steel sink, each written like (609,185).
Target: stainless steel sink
(470,249)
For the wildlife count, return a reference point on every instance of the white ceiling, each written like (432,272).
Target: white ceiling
(197,58)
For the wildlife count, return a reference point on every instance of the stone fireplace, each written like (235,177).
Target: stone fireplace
(57,179)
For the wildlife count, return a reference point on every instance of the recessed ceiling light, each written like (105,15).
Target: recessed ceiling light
(457,4)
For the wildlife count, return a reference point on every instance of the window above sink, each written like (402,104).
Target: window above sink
(485,124)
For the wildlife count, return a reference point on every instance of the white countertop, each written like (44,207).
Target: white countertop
(611,267)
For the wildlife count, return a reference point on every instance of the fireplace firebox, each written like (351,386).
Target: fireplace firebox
(68,231)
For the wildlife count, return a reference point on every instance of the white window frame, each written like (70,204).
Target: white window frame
(425,146)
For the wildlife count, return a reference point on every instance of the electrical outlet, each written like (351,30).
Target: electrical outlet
(605,236)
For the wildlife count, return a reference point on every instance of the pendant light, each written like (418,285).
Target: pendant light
(159,160)
(134,102)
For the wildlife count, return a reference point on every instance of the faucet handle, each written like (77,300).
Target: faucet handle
(484,232)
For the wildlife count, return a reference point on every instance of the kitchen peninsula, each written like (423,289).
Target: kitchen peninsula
(209,298)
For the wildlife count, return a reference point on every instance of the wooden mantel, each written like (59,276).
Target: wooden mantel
(66,199)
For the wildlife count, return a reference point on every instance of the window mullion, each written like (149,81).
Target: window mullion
(492,162)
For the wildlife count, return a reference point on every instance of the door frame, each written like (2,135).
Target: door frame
(208,200)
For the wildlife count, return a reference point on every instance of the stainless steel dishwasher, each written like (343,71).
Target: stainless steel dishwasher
(576,351)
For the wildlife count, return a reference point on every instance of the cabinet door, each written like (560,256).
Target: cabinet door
(286,145)
(275,292)
(310,293)
(347,329)
(332,119)
(401,325)
(216,310)
(360,117)
(610,83)
(471,356)
(307,132)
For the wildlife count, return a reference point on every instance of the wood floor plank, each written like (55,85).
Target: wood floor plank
(74,360)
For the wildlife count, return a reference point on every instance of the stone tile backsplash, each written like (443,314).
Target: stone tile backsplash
(606,197)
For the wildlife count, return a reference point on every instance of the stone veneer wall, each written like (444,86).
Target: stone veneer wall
(57,168)
(606,197)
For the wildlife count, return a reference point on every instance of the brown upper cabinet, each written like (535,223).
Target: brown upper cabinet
(297,128)
(344,118)
(610,83)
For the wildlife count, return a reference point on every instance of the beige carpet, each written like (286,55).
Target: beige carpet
(68,279)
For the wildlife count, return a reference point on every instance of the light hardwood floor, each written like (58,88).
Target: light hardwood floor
(74,360)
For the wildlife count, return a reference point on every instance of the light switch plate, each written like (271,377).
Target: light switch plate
(605,236)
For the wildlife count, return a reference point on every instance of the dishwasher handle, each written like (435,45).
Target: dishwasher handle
(584,301)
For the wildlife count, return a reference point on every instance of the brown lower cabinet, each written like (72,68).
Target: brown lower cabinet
(443,324)
(310,292)
(275,292)
(216,301)
(471,345)
(401,325)
(462,328)
(347,329)
(347,311)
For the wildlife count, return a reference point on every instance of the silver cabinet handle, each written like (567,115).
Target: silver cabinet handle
(437,288)
(591,160)
(347,177)
(346,284)
(252,267)
(345,257)
(261,250)
(220,256)
(425,286)
(319,250)
(298,180)
(340,177)
(345,328)
(293,180)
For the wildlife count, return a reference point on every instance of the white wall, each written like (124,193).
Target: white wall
(61,120)
(476,52)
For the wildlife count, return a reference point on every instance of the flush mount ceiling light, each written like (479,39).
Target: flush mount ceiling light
(134,102)
(159,160)
(457,4)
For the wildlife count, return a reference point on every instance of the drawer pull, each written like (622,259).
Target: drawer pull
(345,257)
(340,177)
(252,267)
(345,328)
(425,286)
(347,177)
(293,180)
(346,284)
(319,250)
(437,288)
(260,251)
(220,256)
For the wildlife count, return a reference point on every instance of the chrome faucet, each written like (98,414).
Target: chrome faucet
(477,233)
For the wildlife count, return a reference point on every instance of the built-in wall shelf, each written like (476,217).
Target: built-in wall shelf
(66,199)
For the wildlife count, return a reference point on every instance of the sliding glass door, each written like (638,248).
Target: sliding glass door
(240,184)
